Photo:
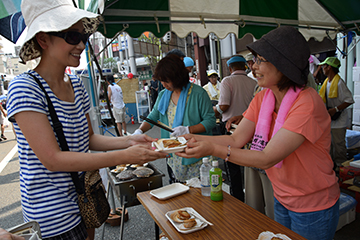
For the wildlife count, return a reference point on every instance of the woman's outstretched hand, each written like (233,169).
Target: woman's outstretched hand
(5,235)
(141,139)
(141,154)
(197,149)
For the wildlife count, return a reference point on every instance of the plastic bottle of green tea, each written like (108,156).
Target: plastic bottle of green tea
(216,193)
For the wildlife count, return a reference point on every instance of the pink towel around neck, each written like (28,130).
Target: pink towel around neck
(262,130)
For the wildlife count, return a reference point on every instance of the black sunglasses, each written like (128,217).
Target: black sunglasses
(71,37)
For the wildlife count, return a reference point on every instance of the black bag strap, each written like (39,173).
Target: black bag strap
(58,128)
(326,99)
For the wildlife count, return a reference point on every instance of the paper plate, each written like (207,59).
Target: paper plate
(160,147)
(180,226)
(169,191)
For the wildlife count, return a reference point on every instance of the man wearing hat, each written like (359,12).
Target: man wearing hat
(236,93)
(189,65)
(337,98)
(236,90)
(213,86)
(250,62)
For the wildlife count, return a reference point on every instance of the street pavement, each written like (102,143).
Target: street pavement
(140,225)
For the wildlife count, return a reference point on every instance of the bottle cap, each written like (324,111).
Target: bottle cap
(205,160)
(215,163)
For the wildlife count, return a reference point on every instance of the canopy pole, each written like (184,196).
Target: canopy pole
(326,10)
(105,89)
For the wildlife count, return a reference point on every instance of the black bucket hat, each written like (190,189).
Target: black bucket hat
(287,49)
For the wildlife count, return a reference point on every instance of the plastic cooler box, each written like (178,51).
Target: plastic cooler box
(352,139)
(347,211)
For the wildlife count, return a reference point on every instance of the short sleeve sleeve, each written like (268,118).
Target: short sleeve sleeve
(24,94)
(225,93)
(308,116)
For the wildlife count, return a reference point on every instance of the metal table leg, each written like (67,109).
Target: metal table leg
(122,217)
(157,231)
(107,197)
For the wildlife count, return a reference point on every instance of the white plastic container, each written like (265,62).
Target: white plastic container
(355,163)
(356,127)
(347,208)
(356,74)
(346,218)
(357,102)
(356,117)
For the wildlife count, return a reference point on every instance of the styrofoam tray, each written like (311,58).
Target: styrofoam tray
(160,147)
(169,191)
(200,224)
(355,164)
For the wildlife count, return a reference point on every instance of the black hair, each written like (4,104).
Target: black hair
(110,79)
(172,69)
(285,83)
(177,52)
(237,65)
(336,70)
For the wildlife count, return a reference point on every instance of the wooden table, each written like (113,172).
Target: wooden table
(232,218)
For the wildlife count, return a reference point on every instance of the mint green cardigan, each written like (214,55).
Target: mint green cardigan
(198,110)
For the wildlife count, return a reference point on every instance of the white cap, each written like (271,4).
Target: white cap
(211,72)
(205,160)
(215,163)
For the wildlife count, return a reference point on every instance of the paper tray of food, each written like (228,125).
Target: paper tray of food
(170,145)
(169,191)
(267,235)
(186,220)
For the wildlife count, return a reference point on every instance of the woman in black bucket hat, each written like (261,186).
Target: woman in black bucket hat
(290,131)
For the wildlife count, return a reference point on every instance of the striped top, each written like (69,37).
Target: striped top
(49,197)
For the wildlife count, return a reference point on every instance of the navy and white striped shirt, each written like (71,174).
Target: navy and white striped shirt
(49,197)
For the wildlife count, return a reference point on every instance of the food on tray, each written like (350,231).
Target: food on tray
(171,143)
(143,172)
(267,235)
(125,175)
(183,214)
(119,168)
(135,165)
(180,216)
(189,223)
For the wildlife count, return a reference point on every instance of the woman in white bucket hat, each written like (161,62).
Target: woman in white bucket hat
(58,32)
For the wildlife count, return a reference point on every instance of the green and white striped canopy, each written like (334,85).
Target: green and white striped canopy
(314,18)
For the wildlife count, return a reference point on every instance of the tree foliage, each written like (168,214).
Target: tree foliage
(150,38)
(111,63)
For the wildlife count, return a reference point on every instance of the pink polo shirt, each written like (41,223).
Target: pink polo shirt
(306,181)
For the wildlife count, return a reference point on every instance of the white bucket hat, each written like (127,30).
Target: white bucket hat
(52,16)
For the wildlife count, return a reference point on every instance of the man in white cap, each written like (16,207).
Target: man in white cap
(213,86)
(250,62)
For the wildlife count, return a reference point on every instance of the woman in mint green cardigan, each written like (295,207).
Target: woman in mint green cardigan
(183,106)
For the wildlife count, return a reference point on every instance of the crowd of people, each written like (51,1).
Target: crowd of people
(289,138)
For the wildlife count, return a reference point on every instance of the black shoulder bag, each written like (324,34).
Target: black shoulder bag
(337,114)
(93,205)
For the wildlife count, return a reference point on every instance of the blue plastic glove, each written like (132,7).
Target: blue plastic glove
(180,130)
(137,132)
